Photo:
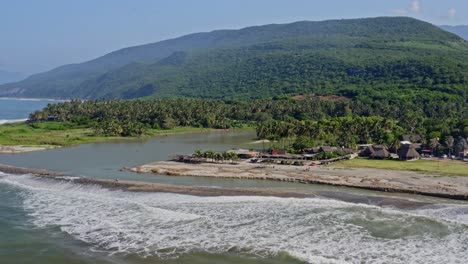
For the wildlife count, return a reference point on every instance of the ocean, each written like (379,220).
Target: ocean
(12,110)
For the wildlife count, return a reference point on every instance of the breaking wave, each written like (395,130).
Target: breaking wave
(7,121)
(315,230)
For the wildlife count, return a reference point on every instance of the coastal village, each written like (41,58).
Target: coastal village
(413,167)
(411,148)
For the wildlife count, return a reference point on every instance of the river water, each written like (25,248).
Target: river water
(44,221)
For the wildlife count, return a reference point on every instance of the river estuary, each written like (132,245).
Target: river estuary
(46,221)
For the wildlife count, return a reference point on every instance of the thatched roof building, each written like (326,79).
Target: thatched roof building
(379,152)
(408,152)
(375,152)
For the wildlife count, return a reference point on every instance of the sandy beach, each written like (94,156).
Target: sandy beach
(21,149)
(205,191)
(454,187)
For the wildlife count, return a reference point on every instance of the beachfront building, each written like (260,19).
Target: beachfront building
(375,152)
(408,152)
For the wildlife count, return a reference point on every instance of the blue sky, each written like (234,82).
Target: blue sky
(37,35)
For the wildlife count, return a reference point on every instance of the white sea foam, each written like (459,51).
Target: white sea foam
(316,230)
(7,121)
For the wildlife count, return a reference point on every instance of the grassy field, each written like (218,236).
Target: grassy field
(442,167)
(65,134)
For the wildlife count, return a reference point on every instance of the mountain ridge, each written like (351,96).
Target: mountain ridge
(460,30)
(142,63)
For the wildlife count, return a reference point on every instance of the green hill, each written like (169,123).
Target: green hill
(391,58)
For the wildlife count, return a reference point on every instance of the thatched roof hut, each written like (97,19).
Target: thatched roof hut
(408,152)
(379,152)
(375,152)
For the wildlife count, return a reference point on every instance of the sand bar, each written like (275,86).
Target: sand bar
(22,149)
(204,191)
(453,187)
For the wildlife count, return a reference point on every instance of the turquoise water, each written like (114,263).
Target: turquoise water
(45,221)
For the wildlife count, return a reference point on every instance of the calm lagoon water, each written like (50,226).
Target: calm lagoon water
(43,221)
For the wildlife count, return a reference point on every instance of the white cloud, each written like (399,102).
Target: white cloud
(415,7)
(452,13)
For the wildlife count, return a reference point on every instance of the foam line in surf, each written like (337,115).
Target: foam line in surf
(9,121)
(314,229)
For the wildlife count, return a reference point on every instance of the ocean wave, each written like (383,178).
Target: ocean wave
(8,121)
(316,230)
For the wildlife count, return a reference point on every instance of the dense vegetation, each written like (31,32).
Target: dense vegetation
(54,133)
(369,59)
(307,121)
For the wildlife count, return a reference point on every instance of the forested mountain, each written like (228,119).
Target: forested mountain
(373,58)
(461,30)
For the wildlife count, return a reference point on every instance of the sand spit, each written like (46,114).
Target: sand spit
(18,170)
(138,186)
(21,149)
(453,187)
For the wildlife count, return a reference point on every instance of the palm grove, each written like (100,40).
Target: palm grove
(303,123)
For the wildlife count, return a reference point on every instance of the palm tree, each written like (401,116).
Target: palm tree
(211,155)
(396,144)
(198,153)
(217,156)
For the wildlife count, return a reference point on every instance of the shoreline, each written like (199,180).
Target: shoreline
(451,187)
(140,186)
(10,147)
(206,191)
(4,149)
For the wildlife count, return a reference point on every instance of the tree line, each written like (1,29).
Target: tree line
(341,121)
